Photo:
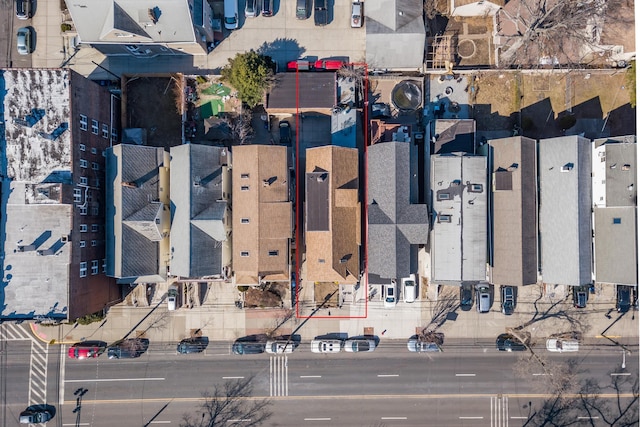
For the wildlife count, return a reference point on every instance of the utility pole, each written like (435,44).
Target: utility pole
(79,393)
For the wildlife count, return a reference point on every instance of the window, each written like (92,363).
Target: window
(476,188)
(95,166)
(104,265)
(617,220)
(95,228)
(444,196)
(273,253)
(94,150)
(94,127)
(83,122)
(244,176)
(114,134)
(83,147)
(95,210)
(244,253)
(83,243)
(94,266)
(105,131)
(84,180)
(94,243)
(244,188)
(244,221)
(83,228)
(97,182)
(83,269)
(83,163)
(77,195)
(444,218)
(83,210)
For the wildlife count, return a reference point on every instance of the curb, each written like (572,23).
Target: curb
(34,331)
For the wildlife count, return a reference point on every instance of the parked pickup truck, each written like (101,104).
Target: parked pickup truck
(320,13)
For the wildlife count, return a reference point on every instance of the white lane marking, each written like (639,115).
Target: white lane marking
(104,380)
(232,378)
(310,376)
(620,373)
(471,418)
(465,375)
(74,424)
(160,422)
(317,419)
(393,418)
(63,361)
(541,374)
(387,375)
(519,418)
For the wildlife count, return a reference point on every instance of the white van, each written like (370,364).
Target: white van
(231,14)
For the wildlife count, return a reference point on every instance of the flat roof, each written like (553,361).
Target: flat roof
(304,90)
(616,243)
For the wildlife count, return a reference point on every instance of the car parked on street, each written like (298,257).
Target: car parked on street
(128,349)
(326,346)
(87,349)
(248,347)
(36,414)
(625,298)
(562,346)
(580,296)
(483,298)
(409,288)
(389,295)
(24,41)
(192,345)
(356,345)
(280,346)
(508,300)
(24,9)
(415,345)
(507,342)
(466,296)
(356,14)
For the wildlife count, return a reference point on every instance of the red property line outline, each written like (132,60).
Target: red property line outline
(365,126)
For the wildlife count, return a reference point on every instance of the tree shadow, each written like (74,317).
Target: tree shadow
(282,50)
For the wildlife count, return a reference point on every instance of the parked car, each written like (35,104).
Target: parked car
(320,13)
(302,9)
(329,64)
(231,21)
(580,297)
(285,132)
(128,349)
(300,65)
(192,345)
(248,347)
(267,7)
(625,298)
(87,349)
(418,346)
(23,9)
(466,297)
(280,346)
(507,342)
(250,9)
(36,414)
(24,40)
(508,302)
(390,298)
(561,346)
(483,298)
(326,346)
(410,288)
(356,345)
(356,14)
(172,297)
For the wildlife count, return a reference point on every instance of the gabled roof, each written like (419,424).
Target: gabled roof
(262,215)
(459,204)
(333,238)
(514,191)
(133,211)
(565,210)
(303,91)
(199,208)
(132,21)
(395,223)
(454,136)
(616,245)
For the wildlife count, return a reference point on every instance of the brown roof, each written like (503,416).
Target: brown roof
(333,255)
(262,214)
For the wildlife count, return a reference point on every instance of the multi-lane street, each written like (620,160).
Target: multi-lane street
(464,385)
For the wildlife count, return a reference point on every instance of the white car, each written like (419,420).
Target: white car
(326,346)
(410,288)
(172,297)
(415,345)
(561,346)
(280,347)
(356,345)
(390,297)
(356,14)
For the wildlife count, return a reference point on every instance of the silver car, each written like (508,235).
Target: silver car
(280,347)
(23,41)
(415,345)
(326,346)
(355,345)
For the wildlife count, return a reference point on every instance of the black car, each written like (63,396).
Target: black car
(36,414)
(624,299)
(23,9)
(248,347)
(507,342)
(285,133)
(508,300)
(580,297)
(466,297)
(267,7)
(320,14)
(128,349)
(193,345)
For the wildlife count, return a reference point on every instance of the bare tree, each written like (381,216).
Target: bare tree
(240,126)
(562,31)
(229,405)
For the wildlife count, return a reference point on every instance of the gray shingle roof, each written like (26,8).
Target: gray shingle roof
(565,210)
(303,90)
(396,226)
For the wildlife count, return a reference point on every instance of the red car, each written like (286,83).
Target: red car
(87,349)
(329,64)
(299,64)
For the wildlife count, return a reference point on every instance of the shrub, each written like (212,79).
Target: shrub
(65,27)
(90,318)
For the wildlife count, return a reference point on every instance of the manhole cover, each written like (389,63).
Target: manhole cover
(466,48)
